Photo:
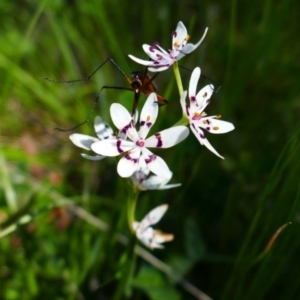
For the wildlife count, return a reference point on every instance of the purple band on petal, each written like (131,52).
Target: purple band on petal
(142,123)
(187,111)
(150,159)
(149,124)
(134,160)
(159,141)
(202,136)
(207,128)
(119,142)
(125,129)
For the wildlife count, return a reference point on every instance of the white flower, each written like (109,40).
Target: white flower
(137,156)
(162,59)
(146,234)
(196,115)
(102,130)
(144,182)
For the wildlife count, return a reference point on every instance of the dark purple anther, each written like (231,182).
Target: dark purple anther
(202,136)
(174,33)
(193,98)
(207,128)
(142,123)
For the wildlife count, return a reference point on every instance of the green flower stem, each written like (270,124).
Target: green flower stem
(183,121)
(178,78)
(129,257)
(126,269)
(131,204)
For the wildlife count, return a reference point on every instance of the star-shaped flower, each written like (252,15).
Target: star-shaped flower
(196,115)
(144,182)
(162,59)
(135,145)
(146,234)
(102,130)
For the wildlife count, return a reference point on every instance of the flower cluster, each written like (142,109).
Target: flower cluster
(147,170)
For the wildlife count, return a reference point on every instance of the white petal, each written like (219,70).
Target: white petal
(129,163)
(214,126)
(157,183)
(112,147)
(203,96)
(168,137)
(165,54)
(191,47)
(156,54)
(92,157)
(160,69)
(154,215)
(141,61)
(169,186)
(102,129)
(145,235)
(148,115)
(83,141)
(203,140)
(193,85)
(179,35)
(123,121)
(156,164)
(154,182)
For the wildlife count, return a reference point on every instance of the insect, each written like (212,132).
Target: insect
(139,83)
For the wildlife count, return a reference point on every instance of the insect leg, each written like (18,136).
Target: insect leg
(88,78)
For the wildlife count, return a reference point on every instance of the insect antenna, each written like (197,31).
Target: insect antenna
(204,76)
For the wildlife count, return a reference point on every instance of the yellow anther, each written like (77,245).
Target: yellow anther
(204,95)
(215,128)
(218,117)
(205,122)
(148,118)
(187,37)
(176,44)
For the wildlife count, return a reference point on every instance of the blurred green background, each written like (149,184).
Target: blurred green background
(225,212)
